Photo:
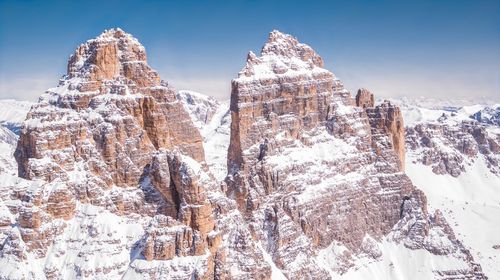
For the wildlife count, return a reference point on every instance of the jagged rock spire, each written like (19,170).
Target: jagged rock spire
(286,45)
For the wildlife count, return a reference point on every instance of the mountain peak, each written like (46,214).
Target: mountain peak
(276,35)
(282,53)
(107,56)
(115,32)
(283,44)
(116,35)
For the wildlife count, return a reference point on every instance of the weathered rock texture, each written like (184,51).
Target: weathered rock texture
(365,99)
(112,135)
(386,121)
(118,187)
(309,169)
(448,147)
(110,102)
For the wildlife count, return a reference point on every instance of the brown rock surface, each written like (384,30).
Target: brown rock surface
(128,115)
(112,135)
(365,99)
(386,120)
(307,168)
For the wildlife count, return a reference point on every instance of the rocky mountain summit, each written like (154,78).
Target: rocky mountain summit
(315,175)
(122,177)
(111,139)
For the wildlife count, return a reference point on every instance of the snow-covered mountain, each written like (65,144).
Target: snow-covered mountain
(470,200)
(115,175)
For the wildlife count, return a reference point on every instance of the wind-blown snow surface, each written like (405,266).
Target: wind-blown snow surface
(470,203)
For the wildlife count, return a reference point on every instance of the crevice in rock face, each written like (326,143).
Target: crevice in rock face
(176,197)
(151,194)
(262,150)
(405,198)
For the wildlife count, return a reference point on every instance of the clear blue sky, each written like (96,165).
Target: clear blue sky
(417,48)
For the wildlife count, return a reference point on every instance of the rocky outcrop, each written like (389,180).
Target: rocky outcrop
(110,102)
(387,125)
(365,99)
(488,115)
(449,147)
(118,187)
(386,122)
(308,168)
(286,87)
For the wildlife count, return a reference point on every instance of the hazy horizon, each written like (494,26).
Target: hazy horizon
(449,49)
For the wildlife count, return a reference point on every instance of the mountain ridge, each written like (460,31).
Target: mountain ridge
(119,167)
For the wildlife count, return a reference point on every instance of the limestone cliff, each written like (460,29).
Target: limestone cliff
(113,136)
(312,172)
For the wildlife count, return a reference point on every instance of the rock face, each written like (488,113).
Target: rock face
(449,147)
(385,120)
(114,182)
(304,89)
(365,99)
(310,170)
(112,102)
(113,135)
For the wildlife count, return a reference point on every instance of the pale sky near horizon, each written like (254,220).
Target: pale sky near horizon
(440,49)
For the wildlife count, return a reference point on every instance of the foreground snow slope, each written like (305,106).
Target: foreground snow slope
(471,203)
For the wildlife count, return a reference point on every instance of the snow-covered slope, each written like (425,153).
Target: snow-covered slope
(13,113)
(213,119)
(200,107)
(8,142)
(470,201)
